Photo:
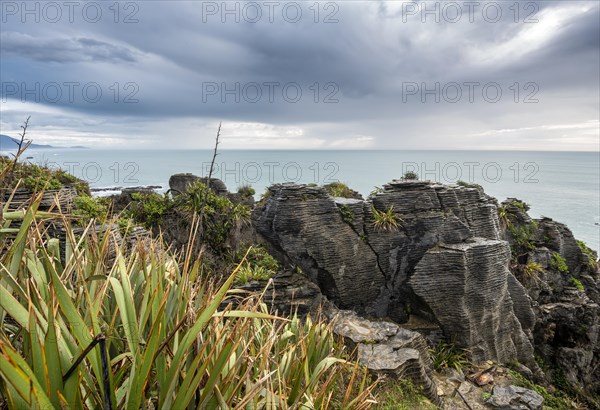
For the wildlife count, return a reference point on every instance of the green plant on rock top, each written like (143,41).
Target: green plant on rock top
(339,189)
(522,205)
(385,221)
(468,185)
(246,190)
(559,263)
(38,177)
(149,208)
(376,190)
(410,176)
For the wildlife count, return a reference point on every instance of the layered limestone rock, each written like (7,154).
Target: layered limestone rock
(497,282)
(475,308)
(304,224)
(391,273)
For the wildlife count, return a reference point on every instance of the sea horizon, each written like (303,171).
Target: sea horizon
(562,185)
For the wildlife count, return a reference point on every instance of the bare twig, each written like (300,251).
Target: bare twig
(212,164)
(6,175)
(463,398)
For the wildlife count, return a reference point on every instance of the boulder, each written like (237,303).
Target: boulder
(179,183)
(386,349)
(515,398)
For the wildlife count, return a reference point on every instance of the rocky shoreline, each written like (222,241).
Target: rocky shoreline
(419,264)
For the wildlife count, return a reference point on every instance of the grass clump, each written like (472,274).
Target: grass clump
(88,208)
(339,189)
(410,176)
(523,206)
(246,190)
(145,332)
(529,272)
(523,236)
(559,263)
(401,395)
(576,283)
(591,255)
(385,221)
(376,190)
(256,264)
(448,356)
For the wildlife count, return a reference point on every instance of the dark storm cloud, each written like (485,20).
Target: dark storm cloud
(63,50)
(369,56)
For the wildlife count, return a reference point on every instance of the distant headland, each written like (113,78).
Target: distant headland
(8,144)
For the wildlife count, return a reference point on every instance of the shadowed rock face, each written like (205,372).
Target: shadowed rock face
(305,225)
(475,306)
(445,262)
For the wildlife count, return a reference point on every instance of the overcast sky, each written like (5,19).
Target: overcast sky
(309,75)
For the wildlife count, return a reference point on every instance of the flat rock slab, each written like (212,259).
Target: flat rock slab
(515,398)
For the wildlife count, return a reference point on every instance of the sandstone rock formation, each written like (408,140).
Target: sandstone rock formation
(445,262)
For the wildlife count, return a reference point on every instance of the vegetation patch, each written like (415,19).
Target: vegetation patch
(449,356)
(385,221)
(220,215)
(127,335)
(591,255)
(149,208)
(246,190)
(523,236)
(576,283)
(529,272)
(410,176)
(376,190)
(559,263)
(557,400)
(36,178)
(468,185)
(258,265)
(347,214)
(339,189)
(88,208)
(401,395)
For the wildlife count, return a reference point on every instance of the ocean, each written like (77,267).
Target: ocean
(564,186)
